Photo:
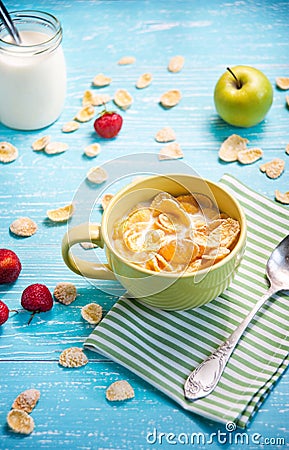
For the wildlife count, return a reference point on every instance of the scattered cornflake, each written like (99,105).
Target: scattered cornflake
(54,148)
(24,226)
(123,99)
(250,155)
(166,134)
(87,98)
(92,150)
(90,99)
(92,313)
(287,149)
(27,400)
(119,390)
(65,292)
(8,152)
(282,198)
(105,200)
(70,126)
(231,147)
(101,80)
(61,214)
(97,175)
(171,151)
(41,143)
(125,60)
(170,98)
(73,357)
(88,245)
(274,168)
(20,422)
(176,63)
(100,99)
(85,114)
(282,83)
(144,80)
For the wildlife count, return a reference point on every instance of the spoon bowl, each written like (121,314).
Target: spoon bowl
(277,269)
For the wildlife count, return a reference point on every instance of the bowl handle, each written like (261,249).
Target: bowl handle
(85,232)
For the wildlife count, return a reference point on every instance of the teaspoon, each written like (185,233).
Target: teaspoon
(203,380)
(8,22)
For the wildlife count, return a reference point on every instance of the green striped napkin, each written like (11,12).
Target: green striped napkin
(163,347)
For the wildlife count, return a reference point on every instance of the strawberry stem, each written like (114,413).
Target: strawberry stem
(31,317)
(104,111)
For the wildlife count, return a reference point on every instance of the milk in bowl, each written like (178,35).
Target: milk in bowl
(178,234)
(33,74)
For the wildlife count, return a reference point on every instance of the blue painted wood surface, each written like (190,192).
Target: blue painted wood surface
(72,411)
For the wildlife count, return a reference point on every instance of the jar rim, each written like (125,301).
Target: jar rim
(37,15)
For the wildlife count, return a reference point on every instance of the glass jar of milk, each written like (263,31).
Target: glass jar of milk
(33,74)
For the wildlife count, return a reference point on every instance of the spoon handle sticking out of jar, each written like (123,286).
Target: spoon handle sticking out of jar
(203,380)
(8,22)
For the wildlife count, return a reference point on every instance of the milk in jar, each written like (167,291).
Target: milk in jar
(33,74)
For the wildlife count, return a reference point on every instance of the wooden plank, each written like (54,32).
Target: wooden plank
(73,412)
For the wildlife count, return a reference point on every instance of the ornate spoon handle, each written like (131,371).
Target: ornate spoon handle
(203,380)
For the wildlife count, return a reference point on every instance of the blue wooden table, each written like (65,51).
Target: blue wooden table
(73,412)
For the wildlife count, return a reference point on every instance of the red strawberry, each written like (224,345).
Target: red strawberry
(108,124)
(10,266)
(36,298)
(4,312)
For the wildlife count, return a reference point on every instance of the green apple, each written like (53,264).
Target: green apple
(243,96)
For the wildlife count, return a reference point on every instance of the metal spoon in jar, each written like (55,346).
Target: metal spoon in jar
(8,22)
(203,380)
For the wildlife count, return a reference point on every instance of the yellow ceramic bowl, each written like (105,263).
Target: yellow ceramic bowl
(159,289)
